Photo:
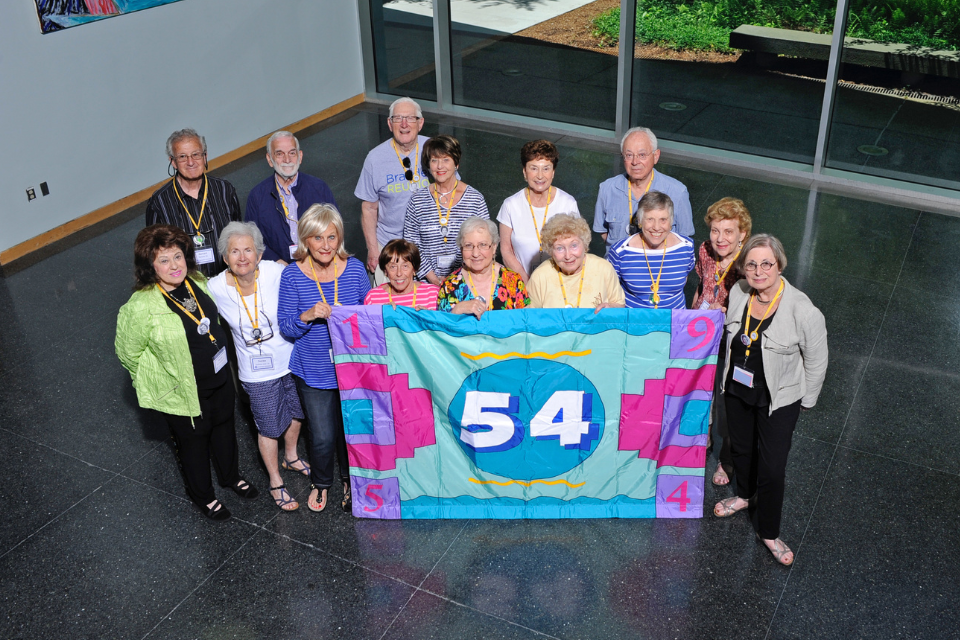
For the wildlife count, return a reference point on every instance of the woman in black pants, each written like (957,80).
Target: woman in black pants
(776,362)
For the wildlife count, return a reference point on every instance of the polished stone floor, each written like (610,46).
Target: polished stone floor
(98,540)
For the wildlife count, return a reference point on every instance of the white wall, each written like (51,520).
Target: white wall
(88,109)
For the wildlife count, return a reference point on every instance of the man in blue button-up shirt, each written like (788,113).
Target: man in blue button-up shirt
(618,197)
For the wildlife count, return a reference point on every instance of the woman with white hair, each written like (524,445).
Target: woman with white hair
(247,294)
(323,276)
(481,284)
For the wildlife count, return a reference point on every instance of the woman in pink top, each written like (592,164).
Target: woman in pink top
(400,260)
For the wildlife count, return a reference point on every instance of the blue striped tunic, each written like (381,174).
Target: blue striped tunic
(421,226)
(312,358)
(630,265)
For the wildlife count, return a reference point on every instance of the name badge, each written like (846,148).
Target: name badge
(220,359)
(446,262)
(293,250)
(704,305)
(331,355)
(261,363)
(743,376)
(205,256)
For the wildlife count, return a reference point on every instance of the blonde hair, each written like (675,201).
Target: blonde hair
(314,220)
(730,209)
(563,225)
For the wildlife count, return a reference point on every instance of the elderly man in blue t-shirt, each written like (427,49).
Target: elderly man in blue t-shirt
(275,204)
(618,196)
(391,173)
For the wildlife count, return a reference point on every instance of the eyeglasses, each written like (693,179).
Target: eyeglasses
(408,174)
(293,154)
(196,156)
(403,119)
(642,156)
(483,247)
(765,266)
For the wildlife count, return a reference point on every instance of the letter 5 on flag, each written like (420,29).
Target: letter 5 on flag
(536,413)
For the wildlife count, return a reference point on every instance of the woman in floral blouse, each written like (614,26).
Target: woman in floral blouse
(481,284)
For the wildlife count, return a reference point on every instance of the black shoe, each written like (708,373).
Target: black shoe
(245,490)
(216,512)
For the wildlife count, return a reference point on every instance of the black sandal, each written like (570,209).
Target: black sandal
(217,512)
(245,490)
(347,503)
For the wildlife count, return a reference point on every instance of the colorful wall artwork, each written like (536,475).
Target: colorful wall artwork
(62,14)
(558,413)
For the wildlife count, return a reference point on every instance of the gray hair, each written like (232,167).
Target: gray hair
(474,223)
(239,230)
(763,240)
(647,132)
(405,101)
(183,134)
(281,134)
(653,201)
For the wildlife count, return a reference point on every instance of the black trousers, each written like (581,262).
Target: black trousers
(212,436)
(325,435)
(760,443)
(718,414)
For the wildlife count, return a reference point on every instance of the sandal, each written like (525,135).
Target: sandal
(720,477)
(245,490)
(312,503)
(724,508)
(347,503)
(217,512)
(285,501)
(779,550)
(304,468)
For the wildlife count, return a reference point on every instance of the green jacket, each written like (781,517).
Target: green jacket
(152,346)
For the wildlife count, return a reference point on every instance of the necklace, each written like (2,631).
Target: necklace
(654,284)
(583,276)
(493,286)
(748,336)
(390,293)
(198,239)
(630,193)
(336,283)
(442,221)
(255,323)
(203,325)
(546,212)
(717,276)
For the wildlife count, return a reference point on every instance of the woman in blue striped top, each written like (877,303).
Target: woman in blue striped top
(323,276)
(434,215)
(653,264)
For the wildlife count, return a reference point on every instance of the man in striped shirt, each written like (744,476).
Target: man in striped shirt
(199,204)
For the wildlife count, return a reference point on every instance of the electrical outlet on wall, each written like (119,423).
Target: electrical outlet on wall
(44,189)
(31,194)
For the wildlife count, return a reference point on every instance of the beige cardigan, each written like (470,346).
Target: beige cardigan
(793,347)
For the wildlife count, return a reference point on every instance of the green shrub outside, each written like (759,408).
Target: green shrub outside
(702,25)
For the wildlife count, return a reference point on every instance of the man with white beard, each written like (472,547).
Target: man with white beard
(274,204)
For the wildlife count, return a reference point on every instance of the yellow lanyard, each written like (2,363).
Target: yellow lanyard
(203,205)
(546,212)
(754,335)
(253,323)
(190,315)
(653,172)
(390,293)
(717,276)
(654,284)
(416,154)
(286,212)
(583,276)
(336,282)
(493,287)
(436,198)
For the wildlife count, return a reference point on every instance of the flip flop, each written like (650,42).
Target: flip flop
(315,505)
(304,468)
(285,500)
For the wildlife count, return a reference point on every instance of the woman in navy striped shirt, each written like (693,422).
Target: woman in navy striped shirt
(323,276)
(434,215)
(653,264)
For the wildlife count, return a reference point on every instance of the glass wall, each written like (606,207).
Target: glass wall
(505,59)
(718,75)
(403,47)
(896,112)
